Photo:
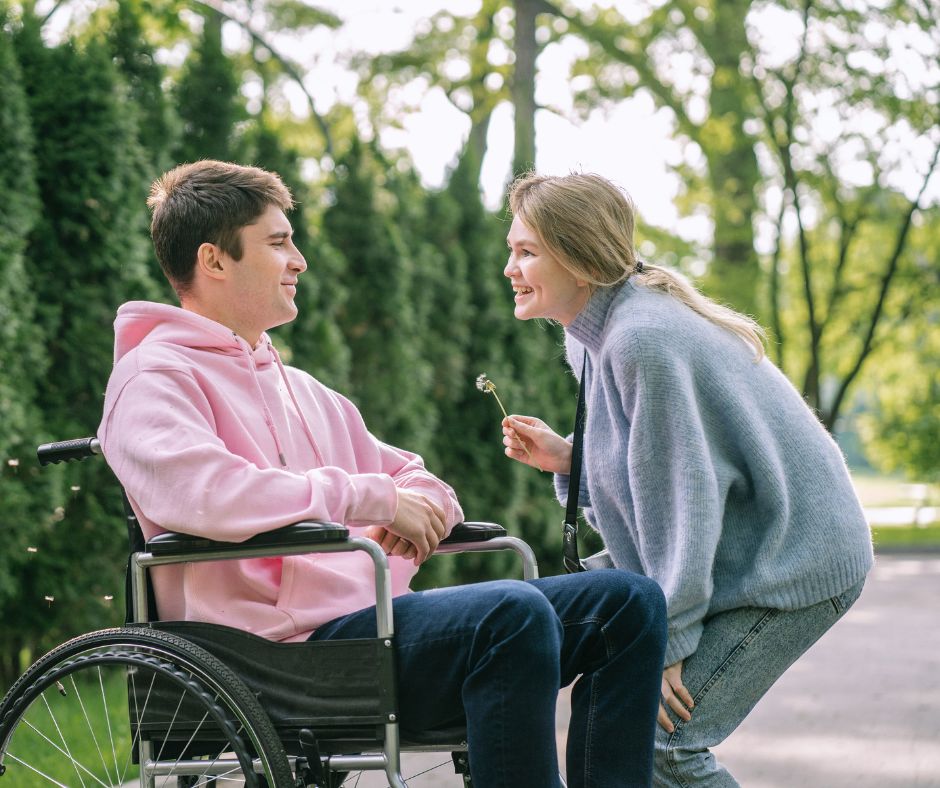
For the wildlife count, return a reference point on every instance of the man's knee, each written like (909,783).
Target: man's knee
(515,605)
(638,599)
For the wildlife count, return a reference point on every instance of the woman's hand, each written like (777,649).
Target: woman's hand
(676,696)
(548,451)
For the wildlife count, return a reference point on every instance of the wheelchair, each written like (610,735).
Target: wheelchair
(184,704)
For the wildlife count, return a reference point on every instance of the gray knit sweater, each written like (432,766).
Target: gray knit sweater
(705,470)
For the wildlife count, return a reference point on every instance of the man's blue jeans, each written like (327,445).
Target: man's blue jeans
(492,656)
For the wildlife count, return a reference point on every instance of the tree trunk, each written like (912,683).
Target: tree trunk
(732,164)
(523,85)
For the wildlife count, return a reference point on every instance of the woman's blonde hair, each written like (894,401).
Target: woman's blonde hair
(587,223)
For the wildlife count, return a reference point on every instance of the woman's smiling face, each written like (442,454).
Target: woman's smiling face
(543,287)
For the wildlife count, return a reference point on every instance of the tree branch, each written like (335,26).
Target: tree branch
(775,319)
(284,63)
(649,78)
(890,269)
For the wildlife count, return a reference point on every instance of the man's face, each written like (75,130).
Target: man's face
(263,284)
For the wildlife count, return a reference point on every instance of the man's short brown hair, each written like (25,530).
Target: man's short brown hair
(207,202)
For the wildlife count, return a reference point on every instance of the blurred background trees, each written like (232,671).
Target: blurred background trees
(795,120)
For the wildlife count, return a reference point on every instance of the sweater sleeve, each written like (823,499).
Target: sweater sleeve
(175,467)
(673,482)
(562,482)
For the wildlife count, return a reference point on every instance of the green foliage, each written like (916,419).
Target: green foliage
(208,99)
(87,253)
(23,359)
(298,16)
(712,102)
(18,213)
(314,341)
(389,374)
(468,58)
(901,393)
(134,57)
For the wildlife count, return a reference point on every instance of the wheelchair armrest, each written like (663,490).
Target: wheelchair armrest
(488,537)
(465,533)
(169,544)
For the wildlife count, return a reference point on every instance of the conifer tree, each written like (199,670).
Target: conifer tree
(313,341)
(389,376)
(469,438)
(87,255)
(134,57)
(525,362)
(208,100)
(23,490)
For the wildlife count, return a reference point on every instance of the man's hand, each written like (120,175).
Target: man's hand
(548,451)
(391,544)
(674,695)
(419,524)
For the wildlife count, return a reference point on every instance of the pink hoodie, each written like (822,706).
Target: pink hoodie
(212,438)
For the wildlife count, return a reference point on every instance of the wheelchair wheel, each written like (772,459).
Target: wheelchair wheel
(135,707)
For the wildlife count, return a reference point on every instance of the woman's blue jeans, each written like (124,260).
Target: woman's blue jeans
(492,656)
(740,655)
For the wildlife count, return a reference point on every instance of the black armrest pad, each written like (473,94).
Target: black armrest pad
(474,532)
(288,536)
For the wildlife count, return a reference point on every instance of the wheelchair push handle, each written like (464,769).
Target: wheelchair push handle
(64,451)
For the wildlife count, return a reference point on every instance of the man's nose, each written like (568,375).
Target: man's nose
(298,263)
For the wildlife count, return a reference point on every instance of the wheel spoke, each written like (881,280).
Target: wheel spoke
(33,769)
(107,713)
(67,754)
(91,730)
(114,696)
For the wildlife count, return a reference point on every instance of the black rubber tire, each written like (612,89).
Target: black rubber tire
(199,677)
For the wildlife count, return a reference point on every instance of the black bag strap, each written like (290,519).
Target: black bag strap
(570,526)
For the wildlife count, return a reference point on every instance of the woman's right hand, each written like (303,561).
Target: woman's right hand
(547,450)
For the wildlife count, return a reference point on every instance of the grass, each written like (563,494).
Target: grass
(71,726)
(876,491)
(906,536)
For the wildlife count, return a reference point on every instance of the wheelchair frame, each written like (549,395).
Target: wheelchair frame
(382,753)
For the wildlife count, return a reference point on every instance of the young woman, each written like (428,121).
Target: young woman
(703,467)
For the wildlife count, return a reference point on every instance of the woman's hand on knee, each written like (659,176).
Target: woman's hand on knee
(674,696)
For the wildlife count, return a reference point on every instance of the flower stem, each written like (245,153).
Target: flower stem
(493,392)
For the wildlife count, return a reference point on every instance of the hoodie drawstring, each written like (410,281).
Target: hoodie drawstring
(268,418)
(293,398)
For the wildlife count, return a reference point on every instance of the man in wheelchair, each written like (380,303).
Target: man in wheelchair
(211,435)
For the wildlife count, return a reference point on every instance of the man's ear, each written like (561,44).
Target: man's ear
(210,261)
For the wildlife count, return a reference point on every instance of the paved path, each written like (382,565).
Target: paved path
(860,710)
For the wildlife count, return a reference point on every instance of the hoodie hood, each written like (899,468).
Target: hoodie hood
(141,322)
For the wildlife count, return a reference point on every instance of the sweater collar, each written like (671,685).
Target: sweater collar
(588,327)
